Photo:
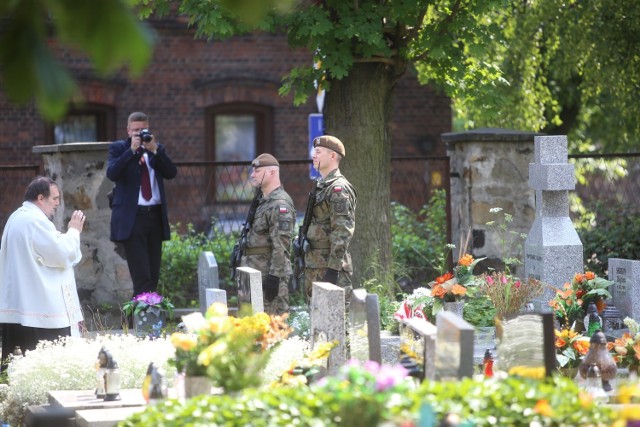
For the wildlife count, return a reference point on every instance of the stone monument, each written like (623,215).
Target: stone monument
(553,250)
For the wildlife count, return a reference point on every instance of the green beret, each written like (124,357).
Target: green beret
(330,142)
(265,160)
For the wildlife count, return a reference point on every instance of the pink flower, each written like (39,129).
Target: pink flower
(517,284)
(149,298)
(489,280)
(503,279)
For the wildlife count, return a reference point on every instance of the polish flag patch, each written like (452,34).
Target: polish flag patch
(283,209)
(337,189)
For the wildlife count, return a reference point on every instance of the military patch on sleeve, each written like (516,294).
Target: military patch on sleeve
(337,189)
(283,225)
(340,206)
(283,209)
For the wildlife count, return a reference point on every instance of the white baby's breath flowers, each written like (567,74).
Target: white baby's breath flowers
(69,364)
(284,354)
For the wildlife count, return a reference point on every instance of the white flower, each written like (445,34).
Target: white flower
(283,357)
(494,210)
(194,322)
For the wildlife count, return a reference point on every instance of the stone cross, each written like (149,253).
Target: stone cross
(328,321)
(625,291)
(364,326)
(553,250)
(207,277)
(250,288)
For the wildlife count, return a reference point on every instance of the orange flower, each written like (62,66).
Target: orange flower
(636,350)
(466,260)
(438,291)
(447,276)
(458,290)
(578,278)
(543,408)
(582,347)
(589,275)
(560,343)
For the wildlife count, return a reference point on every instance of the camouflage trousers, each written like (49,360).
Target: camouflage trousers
(317,274)
(280,304)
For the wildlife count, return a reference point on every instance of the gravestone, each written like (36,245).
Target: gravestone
(215,295)
(250,288)
(207,277)
(364,326)
(328,321)
(625,291)
(553,250)
(454,347)
(418,347)
(526,341)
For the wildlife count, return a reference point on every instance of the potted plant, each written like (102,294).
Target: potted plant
(149,311)
(508,293)
(626,349)
(571,347)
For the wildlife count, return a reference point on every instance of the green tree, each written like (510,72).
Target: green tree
(107,30)
(360,49)
(568,67)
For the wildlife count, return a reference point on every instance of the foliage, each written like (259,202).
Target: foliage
(508,293)
(571,347)
(212,345)
(608,233)
(418,304)
(107,31)
(514,401)
(419,240)
(571,302)
(559,64)
(626,349)
(479,311)
(510,242)
(305,370)
(148,301)
(68,364)
(179,267)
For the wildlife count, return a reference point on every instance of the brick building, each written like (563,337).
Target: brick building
(209,100)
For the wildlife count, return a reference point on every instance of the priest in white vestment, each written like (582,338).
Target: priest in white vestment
(38,295)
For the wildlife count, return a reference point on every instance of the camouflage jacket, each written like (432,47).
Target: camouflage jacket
(271,234)
(332,224)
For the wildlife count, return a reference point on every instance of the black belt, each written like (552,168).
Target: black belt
(149,208)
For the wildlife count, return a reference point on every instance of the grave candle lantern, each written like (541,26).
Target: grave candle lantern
(599,355)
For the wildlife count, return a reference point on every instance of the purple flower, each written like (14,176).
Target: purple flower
(149,298)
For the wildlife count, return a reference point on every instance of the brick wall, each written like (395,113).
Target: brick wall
(188,75)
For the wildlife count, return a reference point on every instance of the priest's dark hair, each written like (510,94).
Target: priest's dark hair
(39,185)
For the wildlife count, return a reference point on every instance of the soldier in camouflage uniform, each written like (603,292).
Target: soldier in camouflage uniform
(327,257)
(269,239)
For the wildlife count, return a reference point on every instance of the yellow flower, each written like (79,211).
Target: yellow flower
(217,349)
(217,309)
(528,372)
(184,342)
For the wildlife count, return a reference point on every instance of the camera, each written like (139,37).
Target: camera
(145,135)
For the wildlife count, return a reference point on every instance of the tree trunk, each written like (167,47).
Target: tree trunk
(357,110)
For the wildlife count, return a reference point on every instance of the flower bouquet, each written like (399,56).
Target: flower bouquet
(571,302)
(571,347)
(419,304)
(454,287)
(626,349)
(231,351)
(508,293)
(148,301)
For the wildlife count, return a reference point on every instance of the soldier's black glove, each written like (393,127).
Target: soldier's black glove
(331,276)
(270,287)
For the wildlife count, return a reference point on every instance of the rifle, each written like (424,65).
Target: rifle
(300,243)
(241,244)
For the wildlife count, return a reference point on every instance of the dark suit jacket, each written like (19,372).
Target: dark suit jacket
(124,170)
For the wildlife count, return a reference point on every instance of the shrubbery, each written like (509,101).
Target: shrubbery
(608,233)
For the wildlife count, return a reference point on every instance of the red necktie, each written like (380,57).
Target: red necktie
(145,185)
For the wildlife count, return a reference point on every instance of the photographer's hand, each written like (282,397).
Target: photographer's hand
(152,145)
(135,142)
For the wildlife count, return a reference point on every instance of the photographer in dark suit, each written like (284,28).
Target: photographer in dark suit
(139,166)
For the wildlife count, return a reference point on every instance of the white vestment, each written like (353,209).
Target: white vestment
(37,282)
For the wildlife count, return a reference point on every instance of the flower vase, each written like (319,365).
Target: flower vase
(569,372)
(456,307)
(196,385)
(145,321)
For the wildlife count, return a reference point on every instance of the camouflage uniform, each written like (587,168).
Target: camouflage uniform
(269,244)
(332,226)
